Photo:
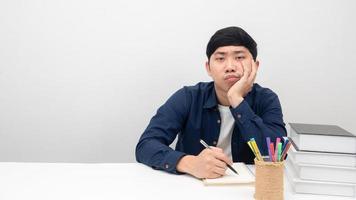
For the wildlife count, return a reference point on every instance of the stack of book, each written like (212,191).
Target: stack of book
(322,160)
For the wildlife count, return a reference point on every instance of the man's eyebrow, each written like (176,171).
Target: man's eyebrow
(220,53)
(241,51)
(234,52)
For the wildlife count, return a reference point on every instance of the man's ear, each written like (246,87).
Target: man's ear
(257,63)
(207,68)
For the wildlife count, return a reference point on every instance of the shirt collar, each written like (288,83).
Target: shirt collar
(211,100)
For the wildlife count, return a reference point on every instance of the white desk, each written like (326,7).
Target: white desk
(114,181)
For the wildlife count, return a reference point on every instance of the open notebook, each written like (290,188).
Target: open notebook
(245,176)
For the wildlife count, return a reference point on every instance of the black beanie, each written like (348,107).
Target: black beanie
(231,36)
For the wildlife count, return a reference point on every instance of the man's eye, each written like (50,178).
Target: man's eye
(240,57)
(220,59)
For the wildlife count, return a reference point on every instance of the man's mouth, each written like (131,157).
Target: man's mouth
(231,78)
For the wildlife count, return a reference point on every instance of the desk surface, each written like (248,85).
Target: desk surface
(114,181)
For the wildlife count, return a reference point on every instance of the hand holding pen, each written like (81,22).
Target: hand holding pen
(227,164)
(209,163)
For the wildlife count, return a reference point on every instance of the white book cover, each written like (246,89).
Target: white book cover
(322,158)
(323,138)
(318,187)
(245,176)
(323,172)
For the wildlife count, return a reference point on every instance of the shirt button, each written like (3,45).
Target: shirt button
(166,166)
(218,121)
(214,143)
(239,116)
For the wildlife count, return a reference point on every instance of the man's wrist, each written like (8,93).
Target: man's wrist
(235,100)
(185,163)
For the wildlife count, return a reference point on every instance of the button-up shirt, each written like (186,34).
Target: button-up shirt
(192,114)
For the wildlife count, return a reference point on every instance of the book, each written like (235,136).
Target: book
(245,176)
(323,172)
(318,187)
(323,138)
(321,158)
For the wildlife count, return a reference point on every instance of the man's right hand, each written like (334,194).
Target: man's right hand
(210,163)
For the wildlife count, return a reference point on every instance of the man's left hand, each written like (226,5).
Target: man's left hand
(239,90)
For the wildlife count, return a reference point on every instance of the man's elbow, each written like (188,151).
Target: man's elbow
(138,151)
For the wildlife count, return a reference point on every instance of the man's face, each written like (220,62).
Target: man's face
(225,65)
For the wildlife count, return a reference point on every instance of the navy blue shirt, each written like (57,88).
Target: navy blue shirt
(192,114)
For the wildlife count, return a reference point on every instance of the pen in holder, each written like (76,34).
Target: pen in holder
(269,180)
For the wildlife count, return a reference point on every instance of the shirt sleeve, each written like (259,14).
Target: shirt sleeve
(269,123)
(153,147)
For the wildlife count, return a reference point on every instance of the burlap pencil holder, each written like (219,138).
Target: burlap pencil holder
(269,180)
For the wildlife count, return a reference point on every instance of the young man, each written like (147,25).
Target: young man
(224,113)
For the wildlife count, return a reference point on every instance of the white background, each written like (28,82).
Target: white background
(80,80)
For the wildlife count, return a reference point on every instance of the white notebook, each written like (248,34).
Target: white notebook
(245,176)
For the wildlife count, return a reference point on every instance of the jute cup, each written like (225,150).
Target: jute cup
(269,180)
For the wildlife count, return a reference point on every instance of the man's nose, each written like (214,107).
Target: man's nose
(231,65)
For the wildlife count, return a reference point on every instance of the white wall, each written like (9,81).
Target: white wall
(80,80)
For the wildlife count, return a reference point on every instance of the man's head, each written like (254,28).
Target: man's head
(231,36)
(227,51)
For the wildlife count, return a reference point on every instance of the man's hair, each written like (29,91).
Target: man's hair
(231,36)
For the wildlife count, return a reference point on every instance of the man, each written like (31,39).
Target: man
(224,113)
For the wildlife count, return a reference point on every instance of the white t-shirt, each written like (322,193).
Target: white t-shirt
(227,127)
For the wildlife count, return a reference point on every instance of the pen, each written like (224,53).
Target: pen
(208,147)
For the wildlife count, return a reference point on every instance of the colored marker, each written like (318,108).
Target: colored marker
(268,141)
(278,140)
(284,154)
(253,150)
(254,145)
(285,142)
(272,150)
(279,151)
